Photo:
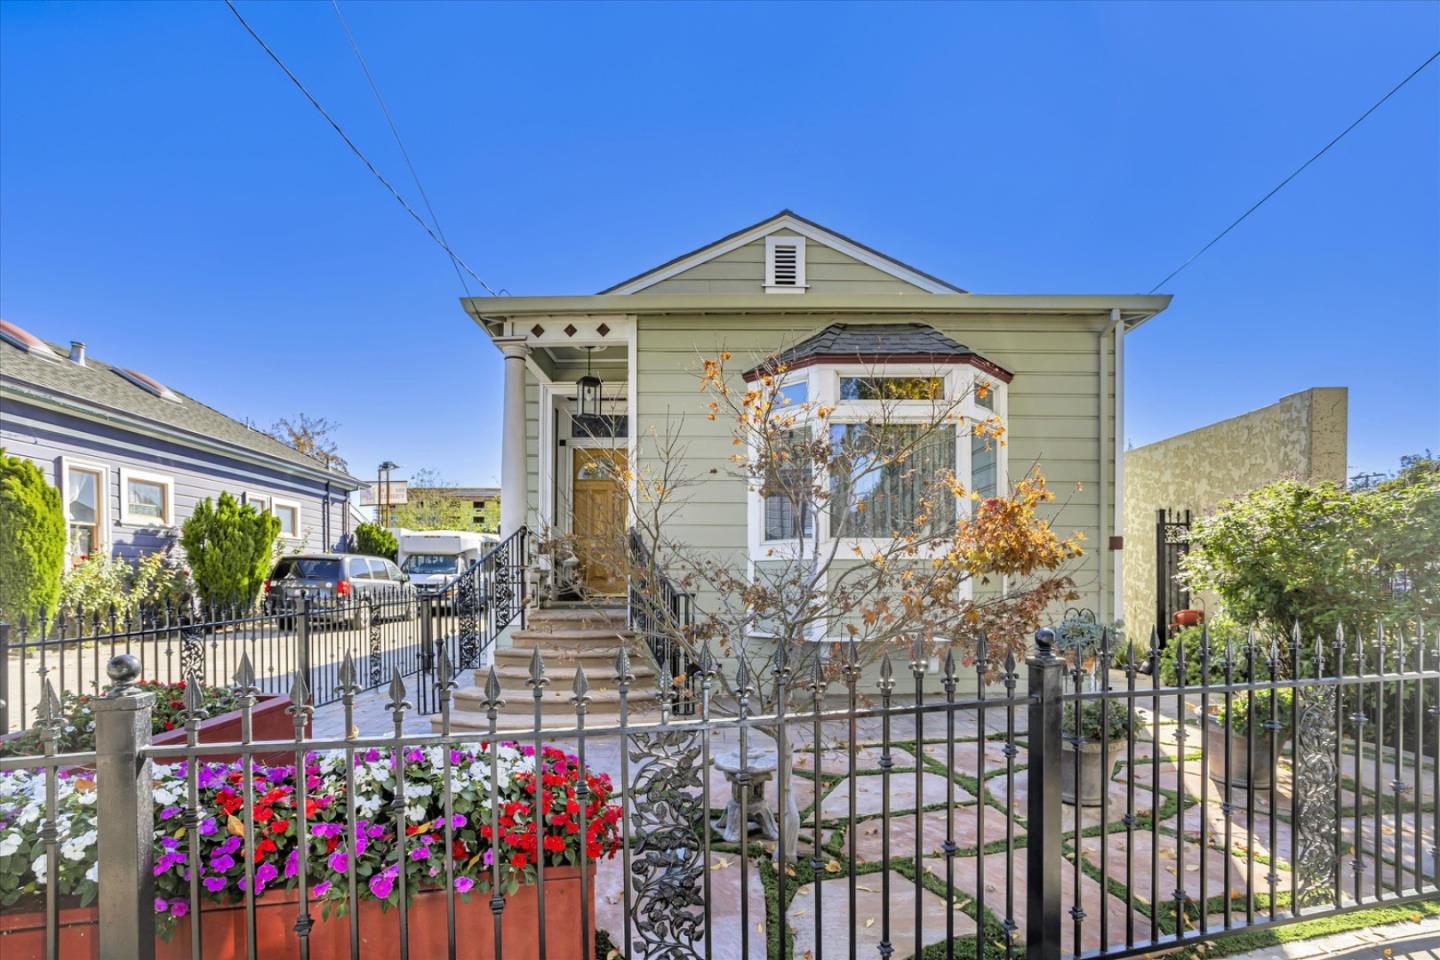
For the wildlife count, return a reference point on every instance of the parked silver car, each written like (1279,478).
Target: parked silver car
(342,587)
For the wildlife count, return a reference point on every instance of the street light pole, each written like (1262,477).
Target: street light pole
(383,507)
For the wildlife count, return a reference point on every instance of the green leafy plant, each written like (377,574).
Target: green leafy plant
(77,735)
(229,547)
(1221,632)
(32,540)
(101,586)
(374,540)
(1092,719)
(1244,706)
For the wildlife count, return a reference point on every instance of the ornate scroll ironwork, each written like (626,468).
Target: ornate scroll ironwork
(377,670)
(1317,785)
(192,649)
(470,607)
(668,864)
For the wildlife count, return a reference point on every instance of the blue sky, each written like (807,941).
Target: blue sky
(167,196)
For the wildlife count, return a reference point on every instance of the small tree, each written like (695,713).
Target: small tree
(374,540)
(230,547)
(311,436)
(32,540)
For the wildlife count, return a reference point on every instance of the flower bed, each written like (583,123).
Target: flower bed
(374,843)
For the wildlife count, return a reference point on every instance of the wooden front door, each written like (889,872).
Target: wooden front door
(598,518)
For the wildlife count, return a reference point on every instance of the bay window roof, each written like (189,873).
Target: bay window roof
(876,344)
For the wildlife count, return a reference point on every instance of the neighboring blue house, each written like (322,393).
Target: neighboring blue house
(132,457)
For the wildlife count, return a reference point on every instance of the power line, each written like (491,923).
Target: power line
(1323,150)
(375,89)
(455,258)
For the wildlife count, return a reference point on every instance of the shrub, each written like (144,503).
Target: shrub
(1245,705)
(1221,632)
(101,585)
(32,540)
(229,547)
(374,540)
(77,735)
(1092,717)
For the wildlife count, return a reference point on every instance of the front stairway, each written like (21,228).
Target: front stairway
(568,637)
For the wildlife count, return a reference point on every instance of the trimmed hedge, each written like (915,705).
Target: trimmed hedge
(374,540)
(230,547)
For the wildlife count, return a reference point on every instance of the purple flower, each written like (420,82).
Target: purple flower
(457,821)
(420,853)
(321,888)
(178,908)
(266,872)
(292,864)
(339,861)
(375,832)
(380,886)
(414,755)
(427,839)
(221,862)
(229,845)
(169,812)
(372,755)
(207,827)
(214,884)
(161,906)
(464,884)
(326,830)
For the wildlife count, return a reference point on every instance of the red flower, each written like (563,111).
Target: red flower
(518,861)
(279,826)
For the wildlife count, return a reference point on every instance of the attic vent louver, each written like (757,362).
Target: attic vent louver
(785,264)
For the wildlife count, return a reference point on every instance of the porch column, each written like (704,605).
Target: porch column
(513,495)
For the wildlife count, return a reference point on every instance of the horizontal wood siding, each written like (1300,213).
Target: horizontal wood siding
(742,270)
(44,436)
(1054,404)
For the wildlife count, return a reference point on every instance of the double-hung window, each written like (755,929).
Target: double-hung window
(288,513)
(787,489)
(83,487)
(146,499)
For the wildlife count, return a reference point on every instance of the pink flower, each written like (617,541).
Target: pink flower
(464,884)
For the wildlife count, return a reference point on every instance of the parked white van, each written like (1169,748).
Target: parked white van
(432,558)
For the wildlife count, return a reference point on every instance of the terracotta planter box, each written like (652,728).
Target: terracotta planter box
(269,721)
(22,935)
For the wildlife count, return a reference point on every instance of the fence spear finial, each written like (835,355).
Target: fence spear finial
(245,675)
(580,688)
(492,690)
(537,670)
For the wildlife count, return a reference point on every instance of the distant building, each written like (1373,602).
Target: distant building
(484,502)
(132,457)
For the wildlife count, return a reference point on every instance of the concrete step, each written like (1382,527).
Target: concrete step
(568,639)
(597,660)
(601,676)
(577,616)
(555,704)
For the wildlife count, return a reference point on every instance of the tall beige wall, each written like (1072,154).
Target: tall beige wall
(1301,436)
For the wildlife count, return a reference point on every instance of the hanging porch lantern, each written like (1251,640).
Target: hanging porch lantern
(588,404)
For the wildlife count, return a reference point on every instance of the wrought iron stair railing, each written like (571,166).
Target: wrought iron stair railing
(661,613)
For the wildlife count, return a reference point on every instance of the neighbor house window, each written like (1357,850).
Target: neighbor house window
(257,500)
(83,488)
(288,513)
(146,499)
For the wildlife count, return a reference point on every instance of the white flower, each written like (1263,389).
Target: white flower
(93,874)
(38,867)
(9,844)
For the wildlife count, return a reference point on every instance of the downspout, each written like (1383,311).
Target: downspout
(1104,555)
(1118,548)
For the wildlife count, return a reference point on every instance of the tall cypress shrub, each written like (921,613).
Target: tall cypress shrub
(229,547)
(32,540)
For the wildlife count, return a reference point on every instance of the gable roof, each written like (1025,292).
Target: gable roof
(786,220)
(877,343)
(115,395)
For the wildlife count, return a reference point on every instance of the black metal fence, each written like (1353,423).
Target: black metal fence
(1087,816)
(386,627)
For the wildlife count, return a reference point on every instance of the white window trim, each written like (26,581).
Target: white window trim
(299,533)
(823,388)
(102,500)
(253,499)
(771,242)
(131,520)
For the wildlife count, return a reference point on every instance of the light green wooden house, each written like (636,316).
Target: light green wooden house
(1057,362)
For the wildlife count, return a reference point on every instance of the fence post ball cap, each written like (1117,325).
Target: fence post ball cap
(123,670)
(1045,641)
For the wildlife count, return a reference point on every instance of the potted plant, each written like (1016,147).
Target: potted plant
(378,860)
(1082,747)
(1233,725)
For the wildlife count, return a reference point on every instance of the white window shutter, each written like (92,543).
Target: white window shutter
(784,264)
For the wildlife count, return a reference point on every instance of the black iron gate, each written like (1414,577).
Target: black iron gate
(1172,542)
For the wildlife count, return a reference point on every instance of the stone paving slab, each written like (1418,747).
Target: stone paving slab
(1408,940)
(967,756)
(998,873)
(1221,872)
(836,761)
(869,926)
(869,833)
(999,788)
(1242,839)
(870,794)
(1388,773)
